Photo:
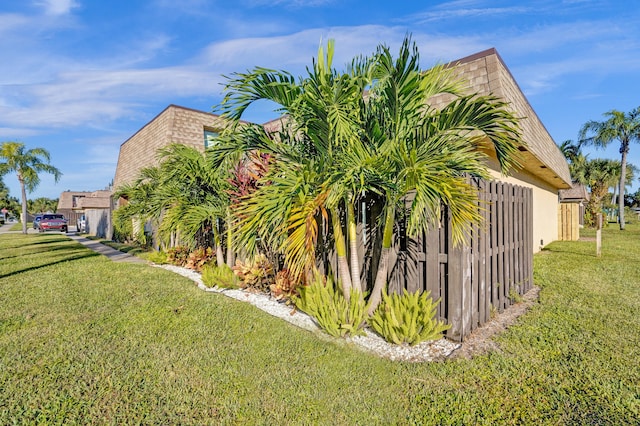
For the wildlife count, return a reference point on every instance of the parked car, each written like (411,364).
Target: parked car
(81,224)
(36,221)
(53,222)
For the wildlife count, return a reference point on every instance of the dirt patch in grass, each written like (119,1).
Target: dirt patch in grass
(481,340)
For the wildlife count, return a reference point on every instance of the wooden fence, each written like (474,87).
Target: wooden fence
(473,280)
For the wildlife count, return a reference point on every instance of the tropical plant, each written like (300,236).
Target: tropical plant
(407,318)
(598,175)
(42,205)
(570,150)
(157,257)
(430,152)
(335,314)
(183,196)
(219,276)
(285,286)
(178,255)
(256,275)
(338,144)
(199,257)
(8,202)
(26,164)
(632,172)
(619,126)
(310,176)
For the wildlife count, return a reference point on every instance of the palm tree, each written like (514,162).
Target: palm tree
(313,172)
(27,164)
(341,144)
(42,204)
(619,126)
(183,196)
(598,175)
(570,150)
(430,152)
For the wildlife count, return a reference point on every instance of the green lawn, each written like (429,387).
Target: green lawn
(85,341)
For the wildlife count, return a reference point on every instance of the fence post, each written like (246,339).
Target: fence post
(459,283)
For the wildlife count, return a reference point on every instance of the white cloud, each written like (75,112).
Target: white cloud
(288,3)
(79,98)
(57,7)
(12,21)
(295,51)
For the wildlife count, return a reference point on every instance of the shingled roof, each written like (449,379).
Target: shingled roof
(487,74)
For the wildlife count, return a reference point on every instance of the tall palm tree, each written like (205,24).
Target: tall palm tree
(26,164)
(620,126)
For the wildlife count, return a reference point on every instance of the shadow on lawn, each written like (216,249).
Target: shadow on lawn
(39,248)
(56,256)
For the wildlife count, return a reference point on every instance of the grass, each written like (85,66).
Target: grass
(84,340)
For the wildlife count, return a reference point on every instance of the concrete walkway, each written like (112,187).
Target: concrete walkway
(111,253)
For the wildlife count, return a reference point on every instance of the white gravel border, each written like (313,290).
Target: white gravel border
(434,350)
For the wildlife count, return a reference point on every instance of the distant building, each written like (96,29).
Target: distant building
(94,206)
(68,204)
(571,212)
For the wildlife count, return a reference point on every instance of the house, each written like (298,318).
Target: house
(544,168)
(68,204)
(520,210)
(95,206)
(175,124)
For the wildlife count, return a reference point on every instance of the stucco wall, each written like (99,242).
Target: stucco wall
(545,204)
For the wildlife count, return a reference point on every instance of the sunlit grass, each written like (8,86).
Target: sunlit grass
(84,340)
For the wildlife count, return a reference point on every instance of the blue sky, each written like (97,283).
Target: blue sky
(79,77)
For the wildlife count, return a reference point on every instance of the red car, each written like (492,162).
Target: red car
(53,222)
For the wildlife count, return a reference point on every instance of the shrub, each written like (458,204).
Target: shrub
(199,257)
(220,276)
(122,227)
(407,318)
(256,275)
(285,286)
(178,255)
(328,306)
(158,257)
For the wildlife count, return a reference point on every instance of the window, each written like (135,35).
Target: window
(208,136)
(75,199)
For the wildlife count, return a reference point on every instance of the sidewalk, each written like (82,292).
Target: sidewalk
(111,253)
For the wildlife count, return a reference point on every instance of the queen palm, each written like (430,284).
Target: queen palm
(27,164)
(619,126)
